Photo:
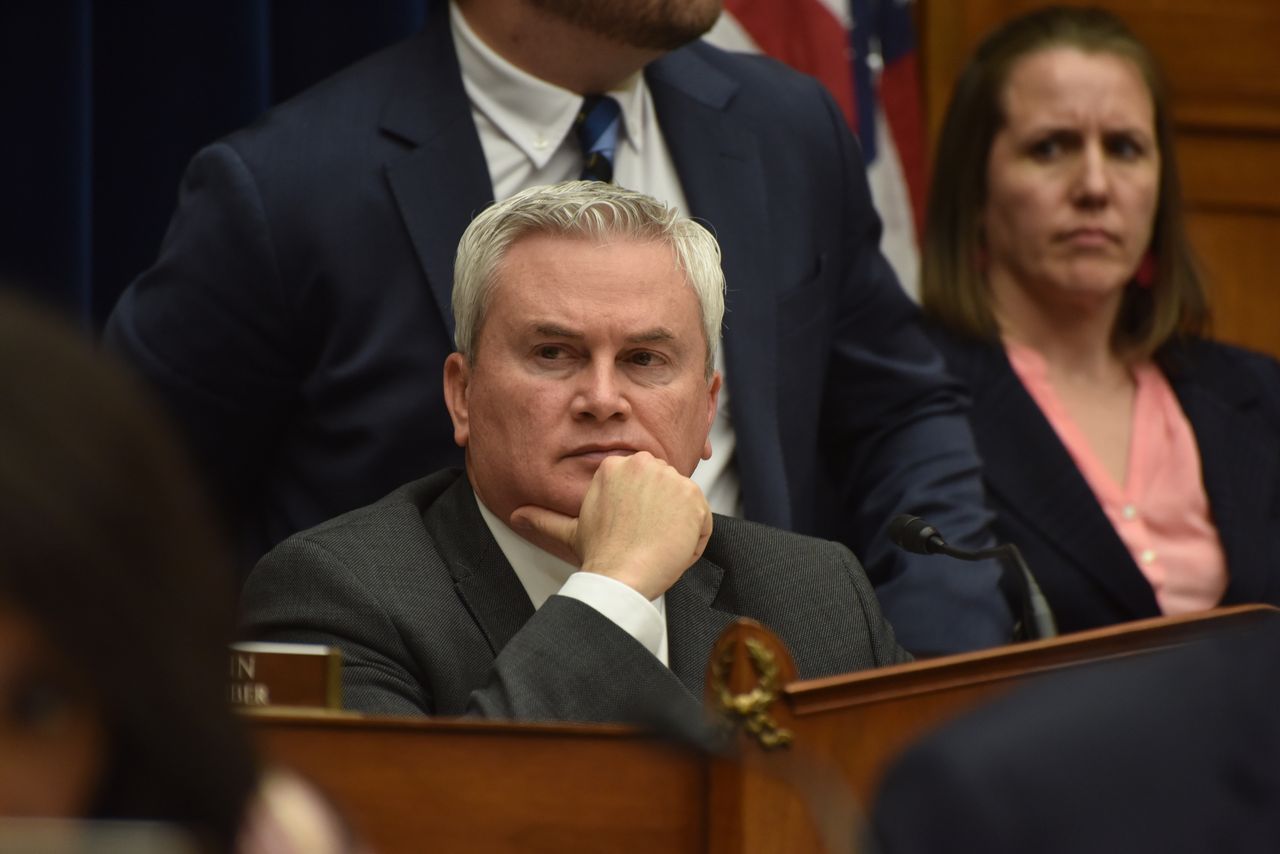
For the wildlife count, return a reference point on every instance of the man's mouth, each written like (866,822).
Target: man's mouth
(596,453)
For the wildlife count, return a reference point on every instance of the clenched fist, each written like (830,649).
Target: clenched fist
(642,523)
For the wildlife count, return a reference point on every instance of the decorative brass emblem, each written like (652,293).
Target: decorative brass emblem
(752,708)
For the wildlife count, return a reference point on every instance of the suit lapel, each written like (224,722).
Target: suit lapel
(444,181)
(694,623)
(492,593)
(484,581)
(1036,479)
(1239,470)
(722,174)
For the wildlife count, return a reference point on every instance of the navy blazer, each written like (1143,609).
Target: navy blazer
(298,316)
(1172,752)
(1045,506)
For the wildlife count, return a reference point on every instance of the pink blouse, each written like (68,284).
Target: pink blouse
(1161,511)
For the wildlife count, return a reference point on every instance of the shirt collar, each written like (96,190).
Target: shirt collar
(541,572)
(534,114)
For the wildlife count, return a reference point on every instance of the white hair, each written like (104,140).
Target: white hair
(590,209)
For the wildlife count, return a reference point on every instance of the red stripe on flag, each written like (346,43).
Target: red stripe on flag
(900,99)
(805,35)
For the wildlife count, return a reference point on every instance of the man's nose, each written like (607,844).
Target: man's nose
(602,394)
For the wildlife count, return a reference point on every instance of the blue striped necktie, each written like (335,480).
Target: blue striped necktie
(597,129)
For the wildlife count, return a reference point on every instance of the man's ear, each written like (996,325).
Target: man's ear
(713,398)
(457,383)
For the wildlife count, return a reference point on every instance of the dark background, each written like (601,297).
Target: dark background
(103,103)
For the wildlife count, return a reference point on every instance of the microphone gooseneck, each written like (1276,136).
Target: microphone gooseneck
(1035,619)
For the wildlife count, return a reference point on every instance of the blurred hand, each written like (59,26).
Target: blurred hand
(642,523)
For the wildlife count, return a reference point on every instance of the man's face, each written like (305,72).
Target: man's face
(647,24)
(588,350)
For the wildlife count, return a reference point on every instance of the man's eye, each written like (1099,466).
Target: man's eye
(644,358)
(550,352)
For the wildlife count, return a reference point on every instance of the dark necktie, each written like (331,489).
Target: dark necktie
(597,129)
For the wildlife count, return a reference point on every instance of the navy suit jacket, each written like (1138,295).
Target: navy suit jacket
(1045,506)
(1170,752)
(298,316)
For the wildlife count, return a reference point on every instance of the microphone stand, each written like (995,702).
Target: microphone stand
(1036,620)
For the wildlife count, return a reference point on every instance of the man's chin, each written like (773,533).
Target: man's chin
(657,27)
(568,494)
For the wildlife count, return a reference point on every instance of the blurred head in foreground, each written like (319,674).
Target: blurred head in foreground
(115,602)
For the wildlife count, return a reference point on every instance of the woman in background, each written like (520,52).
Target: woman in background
(1135,463)
(116,607)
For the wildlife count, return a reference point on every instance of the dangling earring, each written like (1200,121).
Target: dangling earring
(1145,275)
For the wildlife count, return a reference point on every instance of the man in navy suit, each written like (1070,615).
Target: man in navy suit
(299,310)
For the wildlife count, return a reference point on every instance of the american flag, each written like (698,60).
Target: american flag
(864,51)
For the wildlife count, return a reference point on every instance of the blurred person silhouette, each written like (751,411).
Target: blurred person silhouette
(1133,461)
(1173,751)
(116,606)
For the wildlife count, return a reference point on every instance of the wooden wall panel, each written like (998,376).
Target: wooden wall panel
(1222,60)
(1240,252)
(1230,171)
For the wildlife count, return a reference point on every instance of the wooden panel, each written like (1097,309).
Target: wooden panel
(862,721)
(1230,172)
(1241,254)
(418,785)
(286,674)
(411,784)
(1221,58)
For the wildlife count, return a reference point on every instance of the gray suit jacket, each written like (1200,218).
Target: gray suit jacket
(431,619)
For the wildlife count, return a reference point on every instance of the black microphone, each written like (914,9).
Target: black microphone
(913,534)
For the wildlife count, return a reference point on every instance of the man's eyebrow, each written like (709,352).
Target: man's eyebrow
(551,330)
(650,336)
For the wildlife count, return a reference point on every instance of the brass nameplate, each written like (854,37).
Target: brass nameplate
(285,674)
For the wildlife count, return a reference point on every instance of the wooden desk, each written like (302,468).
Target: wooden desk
(413,784)
(425,784)
(855,725)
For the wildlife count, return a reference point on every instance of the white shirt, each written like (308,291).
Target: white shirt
(544,575)
(526,131)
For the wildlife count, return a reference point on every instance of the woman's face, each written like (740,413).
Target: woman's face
(52,745)
(1073,179)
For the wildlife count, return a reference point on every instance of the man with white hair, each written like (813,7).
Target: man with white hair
(299,308)
(574,572)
